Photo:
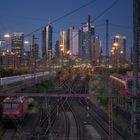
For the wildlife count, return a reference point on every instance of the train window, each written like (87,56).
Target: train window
(15,105)
(7,106)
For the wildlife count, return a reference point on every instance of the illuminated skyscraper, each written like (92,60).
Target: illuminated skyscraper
(64,42)
(47,42)
(74,41)
(87,34)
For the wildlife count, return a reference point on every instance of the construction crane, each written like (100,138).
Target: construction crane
(135,127)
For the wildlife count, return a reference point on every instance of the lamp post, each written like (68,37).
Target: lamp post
(122,60)
(26,42)
(61,50)
(13,59)
(7,36)
(114,51)
(68,56)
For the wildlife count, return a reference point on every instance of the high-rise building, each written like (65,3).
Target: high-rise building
(18,47)
(47,42)
(18,43)
(64,47)
(95,49)
(88,32)
(74,41)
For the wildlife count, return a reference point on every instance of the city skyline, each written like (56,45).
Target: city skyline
(27,18)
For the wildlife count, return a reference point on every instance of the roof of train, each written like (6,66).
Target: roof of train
(119,76)
(12,99)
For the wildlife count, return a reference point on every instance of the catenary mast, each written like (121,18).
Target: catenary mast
(135,128)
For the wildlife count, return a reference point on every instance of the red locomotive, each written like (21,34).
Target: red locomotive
(122,84)
(14,108)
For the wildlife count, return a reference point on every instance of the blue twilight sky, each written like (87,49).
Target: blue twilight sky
(28,15)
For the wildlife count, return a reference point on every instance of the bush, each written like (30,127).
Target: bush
(103,102)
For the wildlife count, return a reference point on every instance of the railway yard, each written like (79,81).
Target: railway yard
(64,118)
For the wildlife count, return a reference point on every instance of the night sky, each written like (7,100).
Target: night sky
(28,15)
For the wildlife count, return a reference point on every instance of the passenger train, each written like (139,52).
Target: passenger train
(18,78)
(122,84)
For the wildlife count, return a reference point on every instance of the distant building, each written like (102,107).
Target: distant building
(74,41)
(64,46)
(57,51)
(8,59)
(95,49)
(35,51)
(47,42)
(17,43)
(88,32)
(17,47)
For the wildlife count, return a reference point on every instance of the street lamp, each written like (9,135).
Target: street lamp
(115,48)
(29,61)
(116,44)
(26,42)
(68,55)
(61,50)
(7,36)
(13,54)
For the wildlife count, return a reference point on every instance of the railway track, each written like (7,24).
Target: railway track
(77,122)
(67,122)
(43,124)
(72,126)
(9,134)
(11,131)
(101,119)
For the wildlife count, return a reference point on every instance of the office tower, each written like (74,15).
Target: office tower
(74,41)
(47,42)
(18,47)
(18,43)
(64,42)
(88,31)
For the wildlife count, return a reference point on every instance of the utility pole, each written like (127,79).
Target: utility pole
(135,116)
(107,48)
(89,37)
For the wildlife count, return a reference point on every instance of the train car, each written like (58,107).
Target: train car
(21,78)
(121,84)
(14,108)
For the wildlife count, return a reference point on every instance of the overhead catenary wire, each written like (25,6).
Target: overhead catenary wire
(71,12)
(101,14)
(106,10)
(61,17)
